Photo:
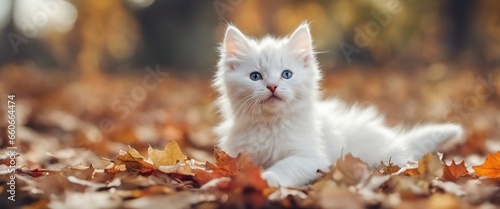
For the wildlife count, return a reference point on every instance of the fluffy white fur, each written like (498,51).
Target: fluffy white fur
(293,136)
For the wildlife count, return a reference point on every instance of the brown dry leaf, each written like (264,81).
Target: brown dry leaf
(389,169)
(430,166)
(454,171)
(36,172)
(490,168)
(56,183)
(131,160)
(170,155)
(349,170)
(79,172)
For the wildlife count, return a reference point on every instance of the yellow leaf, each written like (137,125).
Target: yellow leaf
(490,168)
(171,155)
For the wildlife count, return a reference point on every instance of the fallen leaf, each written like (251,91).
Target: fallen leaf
(237,177)
(170,155)
(430,166)
(454,171)
(225,166)
(350,170)
(411,172)
(248,174)
(181,168)
(36,172)
(225,162)
(131,160)
(79,172)
(389,169)
(490,168)
(409,169)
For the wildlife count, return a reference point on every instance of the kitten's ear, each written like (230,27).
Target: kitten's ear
(234,42)
(300,42)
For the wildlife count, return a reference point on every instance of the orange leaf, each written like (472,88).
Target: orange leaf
(454,171)
(490,168)
(224,166)
(225,162)
(241,170)
(411,172)
(248,174)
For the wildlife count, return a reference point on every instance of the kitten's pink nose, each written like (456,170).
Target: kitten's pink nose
(272,87)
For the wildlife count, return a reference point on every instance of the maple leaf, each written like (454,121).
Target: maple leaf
(490,168)
(454,171)
(224,166)
(241,169)
(170,155)
(131,160)
(237,177)
(225,162)
(248,174)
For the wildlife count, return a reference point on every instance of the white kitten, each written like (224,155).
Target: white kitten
(269,99)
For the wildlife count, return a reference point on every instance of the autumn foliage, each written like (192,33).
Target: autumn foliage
(236,182)
(490,168)
(161,155)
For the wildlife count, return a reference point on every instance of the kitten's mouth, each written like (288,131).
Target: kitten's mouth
(272,98)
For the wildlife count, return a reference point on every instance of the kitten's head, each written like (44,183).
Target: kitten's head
(268,76)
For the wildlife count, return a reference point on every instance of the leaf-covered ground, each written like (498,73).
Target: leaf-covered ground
(117,142)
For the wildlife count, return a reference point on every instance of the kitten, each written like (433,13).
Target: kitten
(271,108)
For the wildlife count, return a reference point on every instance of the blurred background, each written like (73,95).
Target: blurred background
(92,76)
(113,36)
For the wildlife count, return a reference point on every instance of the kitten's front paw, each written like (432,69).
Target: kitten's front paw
(272,178)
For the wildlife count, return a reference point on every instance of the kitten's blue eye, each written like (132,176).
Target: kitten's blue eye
(255,76)
(286,74)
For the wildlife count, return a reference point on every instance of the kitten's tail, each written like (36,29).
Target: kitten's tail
(423,139)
